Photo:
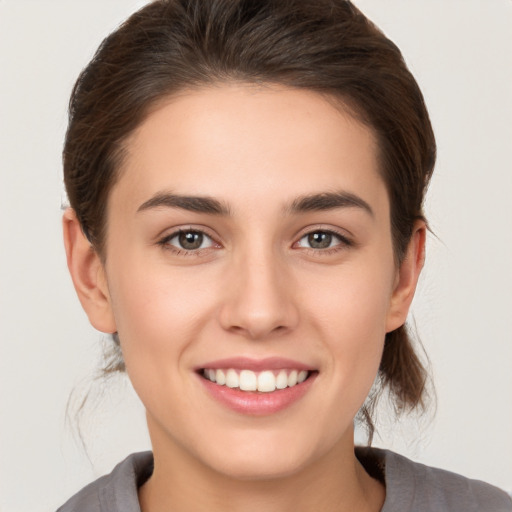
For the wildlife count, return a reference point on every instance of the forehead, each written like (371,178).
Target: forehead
(245,143)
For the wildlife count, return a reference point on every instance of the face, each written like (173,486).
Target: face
(249,244)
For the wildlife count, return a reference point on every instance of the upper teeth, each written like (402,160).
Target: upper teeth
(247,380)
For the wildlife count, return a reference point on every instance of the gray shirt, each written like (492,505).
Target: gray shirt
(410,487)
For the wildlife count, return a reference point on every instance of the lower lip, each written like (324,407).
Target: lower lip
(255,403)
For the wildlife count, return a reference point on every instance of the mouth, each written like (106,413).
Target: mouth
(256,388)
(266,381)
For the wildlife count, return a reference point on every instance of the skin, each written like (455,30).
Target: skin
(256,288)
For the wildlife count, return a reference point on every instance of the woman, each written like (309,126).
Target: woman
(246,184)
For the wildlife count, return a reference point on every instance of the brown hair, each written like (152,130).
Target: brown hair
(327,46)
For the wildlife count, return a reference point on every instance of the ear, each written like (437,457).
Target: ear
(407,278)
(88,274)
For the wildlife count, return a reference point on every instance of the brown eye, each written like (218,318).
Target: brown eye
(320,240)
(189,240)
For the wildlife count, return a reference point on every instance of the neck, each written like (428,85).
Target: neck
(335,482)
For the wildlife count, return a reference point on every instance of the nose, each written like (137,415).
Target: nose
(259,298)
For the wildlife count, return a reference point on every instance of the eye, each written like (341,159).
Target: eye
(322,240)
(188,240)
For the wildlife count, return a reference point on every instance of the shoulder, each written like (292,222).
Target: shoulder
(411,486)
(116,491)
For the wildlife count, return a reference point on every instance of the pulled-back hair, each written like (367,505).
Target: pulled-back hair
(327,46)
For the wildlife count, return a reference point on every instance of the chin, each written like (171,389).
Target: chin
(254,455)
(259,468)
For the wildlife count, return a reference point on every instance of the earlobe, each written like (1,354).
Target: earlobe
(88,274)
(407,278)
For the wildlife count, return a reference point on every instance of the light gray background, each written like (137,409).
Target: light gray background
(461,53)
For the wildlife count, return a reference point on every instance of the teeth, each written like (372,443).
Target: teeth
(292,378)
(247,380)
(282,380)
(220,377)
(266,382)
(301,377)
(232,379)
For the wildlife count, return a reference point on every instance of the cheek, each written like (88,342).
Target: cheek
(352,313)
(160,315)
(355,299)
(157,311)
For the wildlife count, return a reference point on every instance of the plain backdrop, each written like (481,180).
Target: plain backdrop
(461,54)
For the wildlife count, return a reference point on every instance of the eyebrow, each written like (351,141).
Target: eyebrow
(303,204)
(328,201)
(203,204)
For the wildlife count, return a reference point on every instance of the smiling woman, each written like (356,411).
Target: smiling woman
(246,183)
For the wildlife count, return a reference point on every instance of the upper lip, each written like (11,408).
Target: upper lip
(256,365)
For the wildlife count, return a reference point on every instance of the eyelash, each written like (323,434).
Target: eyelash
(164,242)
(343,242)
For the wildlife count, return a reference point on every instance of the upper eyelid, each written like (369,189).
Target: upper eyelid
(343,240)
(164,242)
(327,231)
(340,232)
(170,233)
(174,234)
(346,240)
